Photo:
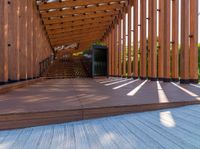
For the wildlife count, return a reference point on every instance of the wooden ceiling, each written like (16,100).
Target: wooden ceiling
(78,21)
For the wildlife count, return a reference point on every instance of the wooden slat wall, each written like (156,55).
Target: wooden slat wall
(175,31)
(24,43)
(3,41)
(194,41)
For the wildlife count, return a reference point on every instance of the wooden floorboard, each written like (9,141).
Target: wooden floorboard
(176,128)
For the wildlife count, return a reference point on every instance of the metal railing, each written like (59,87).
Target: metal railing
(44,65)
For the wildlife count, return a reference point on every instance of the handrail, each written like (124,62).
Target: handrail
(44,65)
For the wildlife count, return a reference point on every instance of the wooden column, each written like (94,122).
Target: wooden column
(143,40)
(124,45)
(161,41)
(3,41)
(119,49)
(175,31)
(109,54)
(153,47)
(113,52)
(23,39)
(166,45)
(13,41)
(194,41)
(129,41)
(135,60)
(116,49)
(149,51)
(184,71)
(30,26)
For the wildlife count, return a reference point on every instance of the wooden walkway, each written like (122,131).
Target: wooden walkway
(63,100)
(177,128)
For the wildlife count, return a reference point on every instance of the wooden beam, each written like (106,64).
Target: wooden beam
(113,52)
(129,41)
(184,61)
(175,32)
(116,50)
(135,60)
(13,41)
(161,41)
(3,41)
(143,40)
(79,17)
(72,3)
(194,41)
(167,76)
(59,13)
(149,40)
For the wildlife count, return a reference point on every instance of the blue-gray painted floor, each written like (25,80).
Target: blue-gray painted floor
(177,128)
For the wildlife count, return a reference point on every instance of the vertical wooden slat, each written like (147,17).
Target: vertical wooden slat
(153,39)
(149,51)
(166,44)
(184,61)
(116,50)
(161,41)
(23,20)
(194,41)
(143,40)
(109,54)
(13,40)
(124,45)
(129,40)
(175,28)
(119,49)
(135,18)
(30,39)
(3,41)
(113,52)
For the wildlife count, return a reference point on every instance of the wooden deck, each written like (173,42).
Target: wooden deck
(177,128)
(63,100)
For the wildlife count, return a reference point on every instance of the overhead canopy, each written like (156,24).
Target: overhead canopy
(78,21)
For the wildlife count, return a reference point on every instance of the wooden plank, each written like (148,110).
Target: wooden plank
(58,13)
(113,52)
(153,39)
(194,41)
(124,45)
(119,47)
(149,41)
(13,41)
(79,17)
(135,60)
(161,41)
(143,40)
(23,41)
(175,32)
(3,41)
(166,40)
(184,59)
(129,41)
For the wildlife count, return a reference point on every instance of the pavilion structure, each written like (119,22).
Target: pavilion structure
(146,39)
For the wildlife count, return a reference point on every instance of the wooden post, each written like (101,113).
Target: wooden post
(166,44)
(175,28)
(23,20)
(124,45)
(149,50)
(13,41)
(3,41)
(143,40)
(119,49)
(135,18)
(161,41)
(116,49)
(129,41)
(153,21)
(109,54)
(194,41)
(184,41)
